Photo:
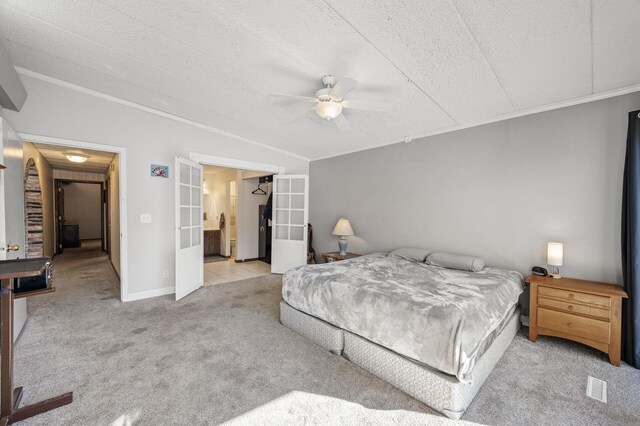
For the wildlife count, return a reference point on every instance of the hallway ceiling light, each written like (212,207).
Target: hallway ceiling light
(76,157)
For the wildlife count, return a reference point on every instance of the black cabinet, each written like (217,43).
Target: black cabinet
(70,235)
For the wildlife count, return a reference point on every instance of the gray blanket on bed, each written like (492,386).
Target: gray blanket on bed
(444,318)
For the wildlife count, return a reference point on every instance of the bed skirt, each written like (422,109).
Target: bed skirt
(319,332)
(439,391)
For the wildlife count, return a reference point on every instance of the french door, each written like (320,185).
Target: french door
(189,247)
(290,217)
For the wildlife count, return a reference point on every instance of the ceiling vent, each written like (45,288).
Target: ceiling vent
(597,389)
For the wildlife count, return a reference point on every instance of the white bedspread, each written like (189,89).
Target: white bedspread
(444,318)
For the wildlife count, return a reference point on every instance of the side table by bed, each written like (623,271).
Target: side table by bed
(587,312)
(335,256)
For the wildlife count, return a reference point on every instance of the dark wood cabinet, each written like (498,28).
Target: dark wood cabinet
(70,235)
(211,242)
(335,256)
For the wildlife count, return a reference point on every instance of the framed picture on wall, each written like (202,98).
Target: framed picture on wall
(158,170)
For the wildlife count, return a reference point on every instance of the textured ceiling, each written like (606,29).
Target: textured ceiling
(98,161)
(441,63)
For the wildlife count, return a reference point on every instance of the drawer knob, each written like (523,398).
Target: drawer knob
(570,307)
(571,295)
(569,324)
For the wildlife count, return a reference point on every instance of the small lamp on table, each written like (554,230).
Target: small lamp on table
(554,258)
(343,229)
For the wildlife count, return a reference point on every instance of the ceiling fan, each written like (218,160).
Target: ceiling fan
(329,101)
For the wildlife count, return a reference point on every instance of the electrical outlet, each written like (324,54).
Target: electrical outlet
(165,273)
(145,218)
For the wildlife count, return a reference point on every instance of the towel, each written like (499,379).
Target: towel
(221,220)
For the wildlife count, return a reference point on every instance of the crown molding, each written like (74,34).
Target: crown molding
(151,110)
(515,114)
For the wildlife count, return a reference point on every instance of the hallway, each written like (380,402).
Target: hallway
(86,269)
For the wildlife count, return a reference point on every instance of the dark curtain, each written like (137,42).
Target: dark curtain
(631,244)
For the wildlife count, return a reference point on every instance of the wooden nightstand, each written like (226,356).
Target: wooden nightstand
(334,256)
(583,311)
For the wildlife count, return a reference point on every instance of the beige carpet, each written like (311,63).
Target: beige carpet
(221,355)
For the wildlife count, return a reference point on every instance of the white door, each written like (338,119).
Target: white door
(12,210)
(189,249)
(290,217)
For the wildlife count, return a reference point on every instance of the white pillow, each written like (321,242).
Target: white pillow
(411,253)
(455,261)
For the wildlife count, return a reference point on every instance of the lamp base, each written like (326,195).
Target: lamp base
(342,243)
(556,276)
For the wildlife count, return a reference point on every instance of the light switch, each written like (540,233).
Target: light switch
(145,218)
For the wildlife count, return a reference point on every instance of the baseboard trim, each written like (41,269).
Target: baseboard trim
(150,293)
(247,260)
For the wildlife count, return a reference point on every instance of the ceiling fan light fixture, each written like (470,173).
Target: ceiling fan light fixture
(76,157)
(328,109)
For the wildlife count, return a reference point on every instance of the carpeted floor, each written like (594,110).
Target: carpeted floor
(221,355)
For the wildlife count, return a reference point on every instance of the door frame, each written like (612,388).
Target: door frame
(58,225)
(122,194)
(233,163)
(106,196)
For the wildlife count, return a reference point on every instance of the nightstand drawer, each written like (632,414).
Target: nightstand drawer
(576,308)
(574,325)
(575,296)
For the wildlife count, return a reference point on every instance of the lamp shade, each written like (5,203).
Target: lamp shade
(328,109)
(554,254)
(343,228)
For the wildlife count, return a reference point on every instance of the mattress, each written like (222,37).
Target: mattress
(442,318)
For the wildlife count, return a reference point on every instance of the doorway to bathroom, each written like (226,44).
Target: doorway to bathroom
(236,224)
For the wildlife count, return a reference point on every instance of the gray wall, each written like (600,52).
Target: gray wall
(83,206)
(500,191)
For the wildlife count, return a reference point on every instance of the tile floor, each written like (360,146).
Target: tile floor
(226,271)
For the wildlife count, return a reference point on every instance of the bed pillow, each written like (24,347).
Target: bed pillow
(455,261)
(413,254)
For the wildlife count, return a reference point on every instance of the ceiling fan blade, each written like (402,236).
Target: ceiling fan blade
(293,97)
(299,115)
(342,87)
(342,123)
(368,105)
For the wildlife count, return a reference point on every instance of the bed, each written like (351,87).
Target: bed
(435,332)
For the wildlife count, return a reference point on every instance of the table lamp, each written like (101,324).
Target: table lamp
(343,229)
(554,258)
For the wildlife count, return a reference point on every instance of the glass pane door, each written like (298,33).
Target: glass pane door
(189,272)
(290,208)
(290,217)
(190,208)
